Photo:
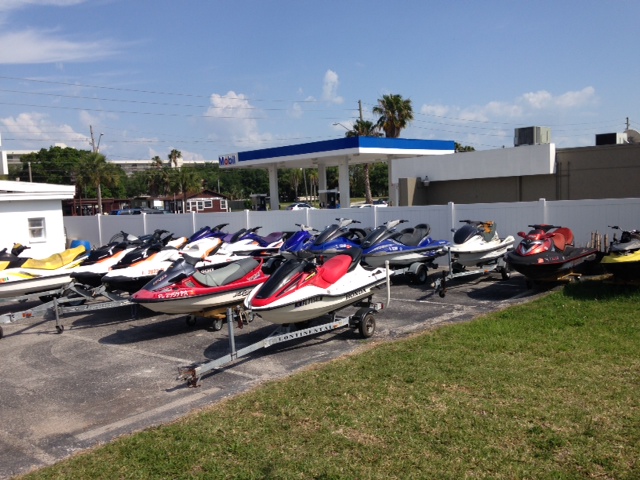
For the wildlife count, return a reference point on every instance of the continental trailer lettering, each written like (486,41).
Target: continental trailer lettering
(308,331)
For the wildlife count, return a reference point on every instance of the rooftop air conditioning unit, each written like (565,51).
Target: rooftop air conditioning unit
(531,136)
(611,138)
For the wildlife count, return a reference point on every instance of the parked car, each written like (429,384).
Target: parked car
(300,206)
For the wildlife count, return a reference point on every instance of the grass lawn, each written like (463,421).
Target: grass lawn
(549,389)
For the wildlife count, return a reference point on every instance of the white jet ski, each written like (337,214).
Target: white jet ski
(301,290)
(477,243)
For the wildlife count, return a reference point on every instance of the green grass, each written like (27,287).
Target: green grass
(549,389)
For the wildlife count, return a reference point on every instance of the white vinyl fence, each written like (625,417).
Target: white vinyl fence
(582,216)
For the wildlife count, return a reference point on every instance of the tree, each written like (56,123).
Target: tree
(394,113)
(94,170)
(184,181)
(365,128)
(463,148)
(56,165)
(174,155)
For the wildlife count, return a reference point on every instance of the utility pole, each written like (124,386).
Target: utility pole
(360,108)
(627,123)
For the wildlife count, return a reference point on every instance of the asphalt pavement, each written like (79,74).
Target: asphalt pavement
(109,374)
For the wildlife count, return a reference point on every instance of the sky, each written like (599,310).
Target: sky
(212,77)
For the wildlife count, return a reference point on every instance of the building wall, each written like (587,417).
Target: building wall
(607,171)
(610,171)
(15,217)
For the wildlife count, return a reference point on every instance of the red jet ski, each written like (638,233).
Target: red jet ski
(184,289)
(547,254)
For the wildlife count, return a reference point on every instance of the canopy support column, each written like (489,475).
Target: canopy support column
(273,187)
(343,183)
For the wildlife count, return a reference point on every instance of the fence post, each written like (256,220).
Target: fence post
(452,217)
(99,217)
(543,206)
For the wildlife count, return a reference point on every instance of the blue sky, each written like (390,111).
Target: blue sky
(211,77)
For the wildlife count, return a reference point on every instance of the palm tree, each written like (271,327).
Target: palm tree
(94,170)
(394,113)
(184,182)
(365,128)
(174,155)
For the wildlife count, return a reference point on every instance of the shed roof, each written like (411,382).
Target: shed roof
(10,190)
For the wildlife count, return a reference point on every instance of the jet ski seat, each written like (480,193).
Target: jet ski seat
(412,236)
(559,241)
(57,260)
(337,266)
(227,274)
(566,233)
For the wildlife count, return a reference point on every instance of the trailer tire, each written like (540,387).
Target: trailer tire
(367,325)
(217,324)
(505,272)
(190,320)
(421,275)
(60,328)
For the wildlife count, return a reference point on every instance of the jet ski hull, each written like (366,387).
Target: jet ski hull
(191,301)
(403,258)
(483,254)
(623,266)
(313,302)
(553,266)
(16,288)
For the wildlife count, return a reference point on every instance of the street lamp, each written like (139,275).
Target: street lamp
(98,146)
(347,129)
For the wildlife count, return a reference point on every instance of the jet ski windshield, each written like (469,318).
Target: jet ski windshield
(464,234)
(328,234)
(376,236)
(178,271)
(284,275)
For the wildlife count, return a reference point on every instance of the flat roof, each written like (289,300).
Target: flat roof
(332,152)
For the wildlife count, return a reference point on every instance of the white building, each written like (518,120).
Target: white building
(31,214)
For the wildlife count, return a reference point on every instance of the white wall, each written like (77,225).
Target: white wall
(582,216)
(14,226)
(504,162)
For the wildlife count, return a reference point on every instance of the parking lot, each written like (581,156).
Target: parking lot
(109,375)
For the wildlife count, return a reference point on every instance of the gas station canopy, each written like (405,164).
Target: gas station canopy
(331,153)
(341,153)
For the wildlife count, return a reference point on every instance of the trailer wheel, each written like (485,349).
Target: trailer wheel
(217,324)
(367,325)
(506,272)
(442,293)
(60,328)
(190,320)
(420,276)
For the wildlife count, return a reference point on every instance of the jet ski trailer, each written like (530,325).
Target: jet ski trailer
(67,300)
(363,320)
(440,283)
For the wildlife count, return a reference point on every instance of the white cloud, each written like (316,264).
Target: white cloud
(330,87)
(34,47)
(543,99)
(296,111)
(235,120)
(33,130)
(523,106)
(8,5)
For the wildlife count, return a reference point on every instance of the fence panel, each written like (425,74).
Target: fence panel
(582,216)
